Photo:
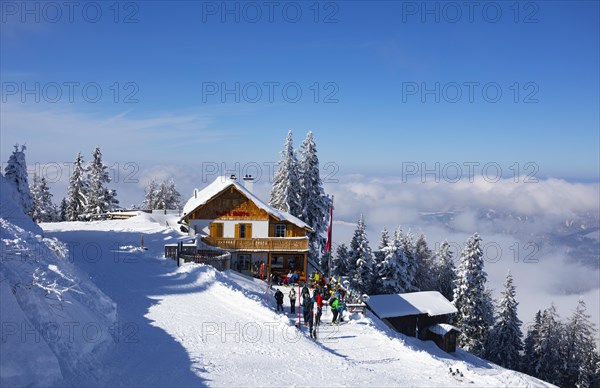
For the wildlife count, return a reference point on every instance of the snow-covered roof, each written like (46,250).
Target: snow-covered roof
(431,303)
(201,197)
(442,329)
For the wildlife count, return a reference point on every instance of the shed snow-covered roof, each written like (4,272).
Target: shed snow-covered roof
(201,197)
(431,303)
(442,329)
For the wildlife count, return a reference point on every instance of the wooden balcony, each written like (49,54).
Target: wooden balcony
(259,244)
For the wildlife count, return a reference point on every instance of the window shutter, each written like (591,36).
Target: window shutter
(288,231)
(248,230)
(213,230)
(220,229)
(271,230)
(237,230)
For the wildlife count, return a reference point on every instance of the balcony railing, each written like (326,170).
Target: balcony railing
(260,244)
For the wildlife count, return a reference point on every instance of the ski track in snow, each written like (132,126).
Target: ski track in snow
(194,326)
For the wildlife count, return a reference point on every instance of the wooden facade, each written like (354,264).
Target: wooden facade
(445,342)
(415,325)
(252,232)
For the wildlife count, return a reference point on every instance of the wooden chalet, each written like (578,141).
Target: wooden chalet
(227,215)
(418,314)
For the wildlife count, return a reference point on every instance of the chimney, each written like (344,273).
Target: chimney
(233,177)
(249,183)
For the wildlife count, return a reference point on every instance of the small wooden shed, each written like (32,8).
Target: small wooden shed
(415,313)
(444,335)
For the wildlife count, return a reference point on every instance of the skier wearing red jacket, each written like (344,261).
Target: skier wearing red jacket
(319,300)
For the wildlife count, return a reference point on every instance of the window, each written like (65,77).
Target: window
(243,231)
(279,230)
(216,229)
(243,262)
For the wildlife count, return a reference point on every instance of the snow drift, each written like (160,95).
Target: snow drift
(54,322)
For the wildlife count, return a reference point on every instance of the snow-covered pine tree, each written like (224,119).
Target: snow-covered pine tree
(100,199)
(504,343)
(172,198)
(340,261)
(378,259)
(313,201)
(530,357)
(42,210)
(285,193)
(150,196)
(392,269)
(412,268)
(363,277)
(444,271)
(471,298)
(384,241)
(423,257)
(77,192)
(550,364)
(62,212)
(579,348)
(15,172)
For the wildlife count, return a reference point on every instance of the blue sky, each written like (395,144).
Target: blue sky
(366,56)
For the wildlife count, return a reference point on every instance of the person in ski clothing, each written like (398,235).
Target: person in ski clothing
(305,289)
(334,308)
(309,320)
(292,296)
(319,301)
(341,308)
(307,306)
(279,299)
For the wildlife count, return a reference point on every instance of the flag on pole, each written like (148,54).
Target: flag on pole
(329,227)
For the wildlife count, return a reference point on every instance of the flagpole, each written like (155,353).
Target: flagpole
(329,237)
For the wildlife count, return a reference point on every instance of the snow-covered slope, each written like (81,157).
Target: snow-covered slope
(193,326)
(54,323)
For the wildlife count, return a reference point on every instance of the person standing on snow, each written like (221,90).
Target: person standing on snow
(307,306)
(279,299)
(319,301)
(292,296)
(334,308)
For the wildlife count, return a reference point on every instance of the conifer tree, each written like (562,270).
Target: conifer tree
(100,199)
(340,261)
(43,209)
(424,268)
(505,344)
(530,356)
(444,272)
(15,173)
(314,203)
(285,193)
(77,193)
(471,299)
(579,348)
(550,365)
(361,258)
